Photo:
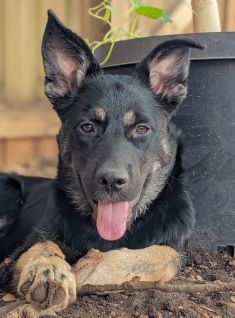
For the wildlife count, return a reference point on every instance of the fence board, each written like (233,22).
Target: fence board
(1,49)
(19,151)
(38,122)
(22,24)
(229,14)
(1,153)
(19,45)
(120,17)
(47,148)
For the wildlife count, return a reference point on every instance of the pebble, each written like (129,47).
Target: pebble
(199,277)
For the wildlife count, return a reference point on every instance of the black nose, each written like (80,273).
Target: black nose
(114,179)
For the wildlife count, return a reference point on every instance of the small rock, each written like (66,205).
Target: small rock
(8,298)
(204,266)
(214,264)
(180,307)
(198,277)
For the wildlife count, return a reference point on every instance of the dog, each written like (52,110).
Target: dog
(120,180)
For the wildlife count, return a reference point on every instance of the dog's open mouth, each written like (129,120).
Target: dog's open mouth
(112,219)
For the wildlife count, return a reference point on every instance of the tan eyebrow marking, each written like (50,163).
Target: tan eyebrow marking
(100,113)
(128,118)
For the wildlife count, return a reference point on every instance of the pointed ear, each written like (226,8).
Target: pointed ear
(67,60)
(165,71)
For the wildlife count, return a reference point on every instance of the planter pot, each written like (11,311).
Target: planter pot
(207,119)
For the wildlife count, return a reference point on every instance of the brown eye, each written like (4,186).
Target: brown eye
(87,128)
(140,130)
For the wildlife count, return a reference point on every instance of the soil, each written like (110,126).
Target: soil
(201,267)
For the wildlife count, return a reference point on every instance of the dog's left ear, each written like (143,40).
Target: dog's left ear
(165,71)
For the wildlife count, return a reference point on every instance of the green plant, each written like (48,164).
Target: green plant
(103,12)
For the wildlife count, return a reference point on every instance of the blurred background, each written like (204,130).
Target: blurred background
(28,125)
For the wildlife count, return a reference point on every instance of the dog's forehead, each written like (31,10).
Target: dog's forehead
(118,97)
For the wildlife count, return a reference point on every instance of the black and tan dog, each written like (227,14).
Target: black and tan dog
(119,181)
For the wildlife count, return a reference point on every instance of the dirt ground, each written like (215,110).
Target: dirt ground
(201,267)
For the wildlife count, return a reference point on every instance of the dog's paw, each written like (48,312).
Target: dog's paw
(47,282)
(21,312)
(28,311)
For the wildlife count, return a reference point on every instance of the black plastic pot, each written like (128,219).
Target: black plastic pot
(207,119)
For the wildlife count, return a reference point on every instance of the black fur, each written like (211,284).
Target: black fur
(136,161)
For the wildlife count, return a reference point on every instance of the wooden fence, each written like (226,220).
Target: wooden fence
(27,124)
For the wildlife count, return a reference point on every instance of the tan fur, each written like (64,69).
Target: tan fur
(154,263)
(40,249)
(128,118)
(166,146)
(157,165)
(45,279)
(100,113)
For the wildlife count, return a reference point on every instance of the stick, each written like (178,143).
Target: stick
(103,290)
(183,288)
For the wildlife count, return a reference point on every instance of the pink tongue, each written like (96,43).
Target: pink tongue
(112,219)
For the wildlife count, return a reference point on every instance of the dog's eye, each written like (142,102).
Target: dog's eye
(141,129)
(87,128)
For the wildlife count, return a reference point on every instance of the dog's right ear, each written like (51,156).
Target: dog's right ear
(67,60)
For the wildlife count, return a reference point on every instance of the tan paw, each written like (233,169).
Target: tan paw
(21,312)
(28,311)
(47,283)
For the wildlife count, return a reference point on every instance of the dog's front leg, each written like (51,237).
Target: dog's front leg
(45,280)
(154,263)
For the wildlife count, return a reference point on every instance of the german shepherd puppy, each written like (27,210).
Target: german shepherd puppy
(119,181)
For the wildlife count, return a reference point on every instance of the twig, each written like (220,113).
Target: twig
(183,288)
(137,285)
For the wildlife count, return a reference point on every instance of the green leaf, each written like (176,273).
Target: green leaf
(165,18)
(150,12)
(137,3)
(106,16)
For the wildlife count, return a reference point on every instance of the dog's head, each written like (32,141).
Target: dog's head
(117,145)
